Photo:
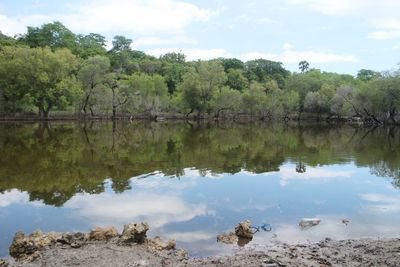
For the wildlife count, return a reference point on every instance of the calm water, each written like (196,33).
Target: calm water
(192,182)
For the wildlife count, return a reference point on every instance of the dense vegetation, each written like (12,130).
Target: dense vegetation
(52,69)
(53,162)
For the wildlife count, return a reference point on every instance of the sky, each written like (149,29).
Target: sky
(332,35)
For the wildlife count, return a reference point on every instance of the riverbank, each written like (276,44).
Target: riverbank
(105,247)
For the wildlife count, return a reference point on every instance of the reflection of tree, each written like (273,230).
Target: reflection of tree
(300,167)
(52,162)
(382,169)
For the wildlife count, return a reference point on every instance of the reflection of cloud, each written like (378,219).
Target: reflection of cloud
(384,203)
(157,209)
(312,174)
(14,196)
(332,226)
(190,237)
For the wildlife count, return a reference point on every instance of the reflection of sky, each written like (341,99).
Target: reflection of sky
(193,209)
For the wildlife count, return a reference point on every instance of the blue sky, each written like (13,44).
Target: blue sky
(333,35)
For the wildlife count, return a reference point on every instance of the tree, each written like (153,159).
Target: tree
(226,99)
(304,66)
(262,70)
(367,75)
(54,35)
(199,85)
(41,75)
(173,69)
(236,79)
(290,102)
(149,93)
(232,63)
(91,45)
(92,75)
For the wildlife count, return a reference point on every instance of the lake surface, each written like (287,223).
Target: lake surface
(192,182)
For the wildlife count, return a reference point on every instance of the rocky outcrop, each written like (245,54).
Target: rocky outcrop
(74,240)
(157,244)
(27,247)
(134,233)
(230,238)
(31,247)
(243,235)
(244,230)
(103,234)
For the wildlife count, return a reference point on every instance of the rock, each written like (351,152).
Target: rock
(230,238)
(75,240)
(103,234)
(134,233)
(27,247)
(3,263)
(244,230)
(157,244)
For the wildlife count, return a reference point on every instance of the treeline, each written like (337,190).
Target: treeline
(52,69)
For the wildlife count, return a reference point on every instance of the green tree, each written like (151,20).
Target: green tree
(92,75)
(54,35)
(304,66)
(367,75)
(236,79)
(90,45)
(262,70)
(199,85)
(226,99)
(44,76)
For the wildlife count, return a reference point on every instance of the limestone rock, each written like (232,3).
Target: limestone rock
(103,234)
(75,240)
(27,247)
(3,263)
(157,244)
(244,230)
(230,238)
(134,233)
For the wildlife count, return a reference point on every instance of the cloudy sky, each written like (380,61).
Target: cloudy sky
(334,35)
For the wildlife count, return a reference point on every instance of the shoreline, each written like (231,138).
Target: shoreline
(106,247)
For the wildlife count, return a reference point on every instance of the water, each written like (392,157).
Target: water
(192,182)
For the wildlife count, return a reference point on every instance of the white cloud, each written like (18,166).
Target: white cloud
(127,16)
(291,56)
(157,41)
(16,25)
(255,20)
(192,53)
(346,7)
(384,35)
(389,28)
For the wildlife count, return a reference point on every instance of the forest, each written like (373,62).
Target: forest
(51,71)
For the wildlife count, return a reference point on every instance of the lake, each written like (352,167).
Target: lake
(193,181)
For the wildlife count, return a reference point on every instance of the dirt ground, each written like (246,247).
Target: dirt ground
(366,252)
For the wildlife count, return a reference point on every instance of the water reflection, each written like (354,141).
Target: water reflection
(192,182)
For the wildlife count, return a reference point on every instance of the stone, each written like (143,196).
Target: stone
(3,263)
(230,238)
(75,240)
(134,233)
(244,230)
(103,234)
(157,244)
(27,247)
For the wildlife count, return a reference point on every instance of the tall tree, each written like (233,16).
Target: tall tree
(304,66)
(40,74)
(92,75)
